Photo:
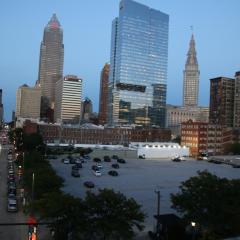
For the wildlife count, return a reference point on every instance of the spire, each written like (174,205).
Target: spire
(192,54)
(54,23)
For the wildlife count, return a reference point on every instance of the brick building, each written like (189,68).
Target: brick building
(97,135)
(205,137)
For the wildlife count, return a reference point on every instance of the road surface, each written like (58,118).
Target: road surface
(9,232)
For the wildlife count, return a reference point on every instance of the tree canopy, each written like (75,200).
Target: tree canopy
(105,215)
(210,201)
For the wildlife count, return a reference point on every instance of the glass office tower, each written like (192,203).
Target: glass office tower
(138,66)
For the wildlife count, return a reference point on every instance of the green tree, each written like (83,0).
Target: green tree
(212,202)
(106,215)
(32,141)
(111,215)
(65,212)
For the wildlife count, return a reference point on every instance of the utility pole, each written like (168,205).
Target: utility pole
(158,228)
(33,182)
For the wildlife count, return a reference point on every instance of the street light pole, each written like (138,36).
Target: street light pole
(158,229)
(33,182)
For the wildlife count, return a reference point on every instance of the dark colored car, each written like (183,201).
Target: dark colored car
(115,157)
(72,161)
(75,167)
(12,190)
(236,165)
(107,159)
(95,168)
(97,160)
(79,165)
(176,159)
(11,178)
(115,165)
(120,160)
(113,173)
(86,157)
(75,173)
(89,184)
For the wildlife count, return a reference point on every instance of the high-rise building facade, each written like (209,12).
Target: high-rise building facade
(68,100)
(221,110)
(1,108)
(138,66)
(103,94)
(28,102)
(50,62)
(191,77)
(87,109)
(236,118)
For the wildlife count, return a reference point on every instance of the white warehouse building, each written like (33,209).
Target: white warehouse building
(160,150)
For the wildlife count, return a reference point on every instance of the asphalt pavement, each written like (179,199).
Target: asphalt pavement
(9,232)
(138,178)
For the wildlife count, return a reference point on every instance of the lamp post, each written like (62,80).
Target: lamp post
(33,182)
(158,228)
(193,225)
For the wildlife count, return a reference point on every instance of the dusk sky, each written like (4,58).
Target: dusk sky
(87,32)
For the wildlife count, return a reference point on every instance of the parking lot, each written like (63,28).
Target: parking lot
(138,178)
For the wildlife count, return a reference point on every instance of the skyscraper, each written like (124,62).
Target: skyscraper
(51,62)
(87,109)
(68,99)
(138,66)
(1,108)
(103,94)
(191,77)
(236,119)
(221,109)
(28,102)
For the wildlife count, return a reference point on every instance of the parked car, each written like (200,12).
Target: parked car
(176,159)
(66,161)
(75,173)
(120,160)
(236,165)
(86,157)
(113,173)
(115,157)
(95,168)
(115,165)
(12,205)
(78,160)
(89,184)
(99,166)
(79,165)
(107,159)
(72,161)
(97,173)
(97,160)
(12,190)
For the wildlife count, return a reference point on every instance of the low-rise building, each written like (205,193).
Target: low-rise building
(178,114)
(92,134)
(203,137)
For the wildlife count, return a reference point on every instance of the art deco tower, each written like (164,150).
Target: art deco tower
(103,94)
(191,77)
(51,61)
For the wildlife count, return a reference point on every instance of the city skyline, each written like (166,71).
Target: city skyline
(216,39)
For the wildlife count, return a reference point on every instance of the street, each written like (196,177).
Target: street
(9,232)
